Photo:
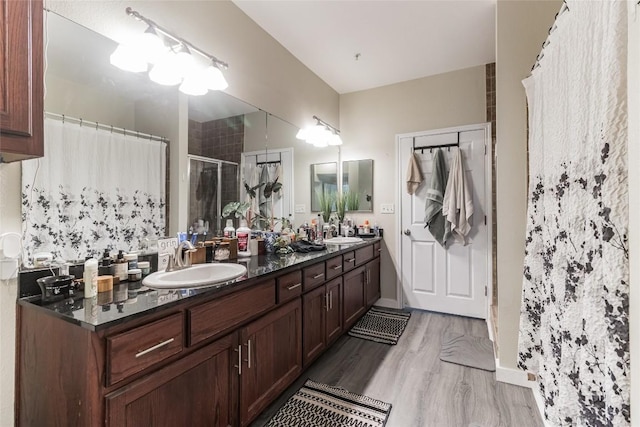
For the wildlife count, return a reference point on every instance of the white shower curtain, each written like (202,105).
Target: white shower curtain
(574,329)
(93,190)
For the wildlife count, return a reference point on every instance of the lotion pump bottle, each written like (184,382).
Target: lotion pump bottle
(90,278)
(229,231)
(244,234)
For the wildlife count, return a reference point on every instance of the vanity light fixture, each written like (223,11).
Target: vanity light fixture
(322,134)
(170,60)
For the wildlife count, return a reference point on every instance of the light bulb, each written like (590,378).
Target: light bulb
(318,135)
(213,78)
(165,71)
(183,62)
(193,85)
(334,139)
(150,45)
(127,58)
(302,134)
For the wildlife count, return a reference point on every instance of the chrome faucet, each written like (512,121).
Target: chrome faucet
(179,261)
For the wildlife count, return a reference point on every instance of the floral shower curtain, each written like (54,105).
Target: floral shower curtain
(574,329)
(93,190)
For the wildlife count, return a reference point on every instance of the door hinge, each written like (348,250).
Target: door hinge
(485,148)
(485,291)
(485,220)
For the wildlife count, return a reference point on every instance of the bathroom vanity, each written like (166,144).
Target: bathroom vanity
(213,356)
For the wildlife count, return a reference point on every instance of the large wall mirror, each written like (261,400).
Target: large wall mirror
(357,180)
(217,128)
(324,179)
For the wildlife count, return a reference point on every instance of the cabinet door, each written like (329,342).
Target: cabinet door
(314,309)
(334,312)
(272,358)
(353,301)
(21,80)
(200,389)
(373,281)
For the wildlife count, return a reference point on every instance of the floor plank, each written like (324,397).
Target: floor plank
(423,390)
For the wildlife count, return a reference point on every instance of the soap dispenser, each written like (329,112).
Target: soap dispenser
(244,234)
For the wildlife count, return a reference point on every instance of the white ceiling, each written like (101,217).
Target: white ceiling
(397,40)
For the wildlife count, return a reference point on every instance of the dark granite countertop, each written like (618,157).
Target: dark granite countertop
(131,300)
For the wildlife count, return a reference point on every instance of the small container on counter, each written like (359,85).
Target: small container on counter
(105,283)
(145,267)
(222,253)
(134,274)
(90,278)
(121,267)
(132,260)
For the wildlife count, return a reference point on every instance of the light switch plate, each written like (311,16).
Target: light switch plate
(387,208)
(300,209)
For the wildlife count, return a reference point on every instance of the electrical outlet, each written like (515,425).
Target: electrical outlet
(300,209)
(387,208)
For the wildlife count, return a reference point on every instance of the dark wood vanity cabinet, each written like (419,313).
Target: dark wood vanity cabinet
(215,361)
(270,356)
(322,319)
(372,281)
(354,301)
(197,390)
(21,80)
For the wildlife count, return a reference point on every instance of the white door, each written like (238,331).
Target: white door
(450,280)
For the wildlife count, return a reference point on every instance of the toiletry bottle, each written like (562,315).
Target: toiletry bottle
(90,278)
(106,266)
(243,233)
(229,231)
(121,267)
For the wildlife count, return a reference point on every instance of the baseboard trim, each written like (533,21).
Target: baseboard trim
(512,376)
(387,302)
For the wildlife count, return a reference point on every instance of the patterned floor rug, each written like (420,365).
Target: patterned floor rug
(381,325)
(474,352)
(317,404)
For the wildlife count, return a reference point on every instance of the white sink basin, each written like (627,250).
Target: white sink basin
(342,240)
(198,275)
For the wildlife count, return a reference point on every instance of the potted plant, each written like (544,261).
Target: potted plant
(326,200)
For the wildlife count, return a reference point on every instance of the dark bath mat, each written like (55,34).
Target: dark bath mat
(320,405)
(381,325)
(467,350)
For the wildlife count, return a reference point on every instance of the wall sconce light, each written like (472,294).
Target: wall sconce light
(322,134)
(169,60)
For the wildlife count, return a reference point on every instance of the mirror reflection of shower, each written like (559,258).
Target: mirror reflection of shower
(207,194)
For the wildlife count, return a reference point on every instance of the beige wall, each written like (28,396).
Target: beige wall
(634,202)
(371,119)
(521,28)
(261,73)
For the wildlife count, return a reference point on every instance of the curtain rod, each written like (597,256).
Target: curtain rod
(122,131)
(564,8)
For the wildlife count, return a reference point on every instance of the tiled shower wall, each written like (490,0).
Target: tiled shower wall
(221,139)
(490,71)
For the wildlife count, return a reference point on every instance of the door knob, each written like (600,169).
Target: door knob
(407,232)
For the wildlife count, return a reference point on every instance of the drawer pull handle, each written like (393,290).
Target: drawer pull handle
(330,300)
(155,347)
(239,365)
(317,276)
(326,302)
(292,287)
(350,260)
(380,250)
(248,360)
(338,267)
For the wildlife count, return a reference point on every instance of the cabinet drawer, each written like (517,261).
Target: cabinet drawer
(377,248)
(364,254)
(334,267)
(313,276)
(215,317)
(289,286)
(348,261)
(139,348)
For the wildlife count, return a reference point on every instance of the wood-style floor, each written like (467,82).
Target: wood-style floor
(423,390)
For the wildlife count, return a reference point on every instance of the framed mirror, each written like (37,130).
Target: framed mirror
(357,185)
(324,177)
